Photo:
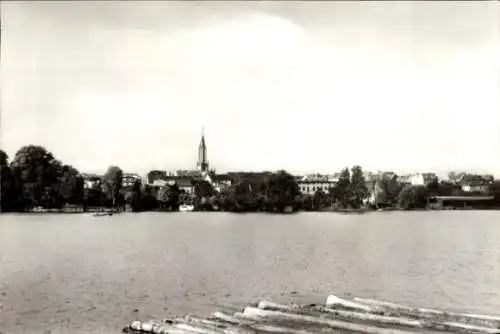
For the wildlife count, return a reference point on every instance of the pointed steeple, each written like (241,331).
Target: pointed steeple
(202,143)
(202,153)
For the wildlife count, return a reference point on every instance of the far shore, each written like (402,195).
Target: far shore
(324,210)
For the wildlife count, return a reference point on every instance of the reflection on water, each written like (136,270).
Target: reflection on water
(89,274)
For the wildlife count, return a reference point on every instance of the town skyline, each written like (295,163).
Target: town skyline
(304,87)
(202,160)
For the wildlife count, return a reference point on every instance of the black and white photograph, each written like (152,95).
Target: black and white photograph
(249,167)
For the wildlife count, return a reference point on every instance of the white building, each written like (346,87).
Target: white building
(309,184)
(91,180)
(416,179)
(129,179)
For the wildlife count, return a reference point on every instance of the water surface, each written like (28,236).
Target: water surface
(83,274)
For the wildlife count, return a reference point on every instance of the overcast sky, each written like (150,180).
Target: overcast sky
(304,86)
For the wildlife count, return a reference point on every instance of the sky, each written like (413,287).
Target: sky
(302,86)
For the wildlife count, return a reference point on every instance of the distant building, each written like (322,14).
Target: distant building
(185,185)
(155,175)
(309,184)
(129,179)
(251,177)
(404,179)
(478,202)
(221,181)
(186,179)
(421,179)
(159,183)
(91,181)
(476,183)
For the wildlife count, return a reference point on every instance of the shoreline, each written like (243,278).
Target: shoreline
(325,210)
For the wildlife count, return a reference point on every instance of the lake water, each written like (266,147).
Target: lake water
(83,274)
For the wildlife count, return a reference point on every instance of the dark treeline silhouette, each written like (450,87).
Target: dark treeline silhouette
(36,179)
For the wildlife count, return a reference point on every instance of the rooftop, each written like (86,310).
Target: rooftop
(134,175)
(90,176)
(476,179)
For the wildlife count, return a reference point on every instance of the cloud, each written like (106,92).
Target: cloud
(305,86)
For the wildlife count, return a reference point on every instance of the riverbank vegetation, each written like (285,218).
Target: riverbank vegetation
(35,179)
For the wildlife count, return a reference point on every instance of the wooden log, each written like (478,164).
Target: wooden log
(282,316)
(276,329)
(239,318)
(202,326)
(336,302)
(351,315)
(205,322)
(357,315)
(230,319)
(158,328)
(465,328)
(390,305)
(196,329)
(480,321)
(375,318)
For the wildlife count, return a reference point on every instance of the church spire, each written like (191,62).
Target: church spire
(202,153)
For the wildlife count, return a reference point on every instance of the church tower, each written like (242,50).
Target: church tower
(202,154)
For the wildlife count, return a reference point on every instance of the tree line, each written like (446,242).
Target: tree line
(279,192)
(35,178)
(389,192)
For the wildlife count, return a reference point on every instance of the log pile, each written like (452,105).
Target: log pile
(337,315)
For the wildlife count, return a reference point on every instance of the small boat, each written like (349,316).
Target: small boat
(186,208)
(100,214)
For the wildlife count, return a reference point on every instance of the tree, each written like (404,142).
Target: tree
(174,197)
(344,187)
(358,190)
(260,192)
(168,197)
(412,197)
(446,188)
(147,200)
(202,192)
(225,200)
(306,202)
(112,182)
(163,194)
(9,190)
(71,185)
(246,196)
(495,190)
(281,190)
(334,195)
(319,200)
(4,159)
(380,191)
(94,196)
(133,196)
(38,173)
(386,190)
(433,184)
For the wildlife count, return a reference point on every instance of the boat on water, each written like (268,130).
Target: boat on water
(186,208)
(100,214)
(337,315)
